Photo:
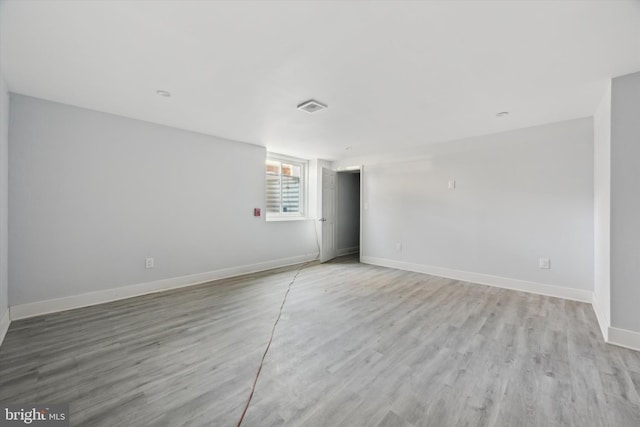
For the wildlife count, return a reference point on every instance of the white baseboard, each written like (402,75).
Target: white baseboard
(348,251)
(603,322)
(5,321)
(486,279)
(38,308)
(624,338)
(615,336)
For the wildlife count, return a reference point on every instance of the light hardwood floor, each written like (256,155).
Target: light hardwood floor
(357,345)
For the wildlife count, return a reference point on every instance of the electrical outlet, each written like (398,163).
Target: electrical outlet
(452,184)
(398,247)
(148,263)
(545,263)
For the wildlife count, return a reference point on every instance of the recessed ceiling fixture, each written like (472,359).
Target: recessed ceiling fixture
(164,93)
(311,106)
(502,114)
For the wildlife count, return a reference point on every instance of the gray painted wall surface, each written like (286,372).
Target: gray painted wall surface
(602,204)
(519,196)
(625,202)
(4,212)
(92,195)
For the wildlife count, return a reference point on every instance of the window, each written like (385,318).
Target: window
(285,187)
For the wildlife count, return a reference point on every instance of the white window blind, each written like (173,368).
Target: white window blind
(285,187)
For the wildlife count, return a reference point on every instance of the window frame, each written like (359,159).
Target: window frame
(304,171)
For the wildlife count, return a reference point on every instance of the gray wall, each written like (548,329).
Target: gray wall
(602,205)
(625,202)
(519,196)
(348,210)
(92,195)
(4,144)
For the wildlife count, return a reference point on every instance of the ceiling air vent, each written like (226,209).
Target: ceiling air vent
(311,106)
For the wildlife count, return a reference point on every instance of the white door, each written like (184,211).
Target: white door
(328,220)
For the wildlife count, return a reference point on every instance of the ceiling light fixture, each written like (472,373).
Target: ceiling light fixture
(164,93)
(502,114)
(311,106)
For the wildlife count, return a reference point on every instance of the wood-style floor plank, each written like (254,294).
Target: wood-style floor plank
(356,345)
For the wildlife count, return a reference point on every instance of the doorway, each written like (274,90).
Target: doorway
(348,212)
(340,222)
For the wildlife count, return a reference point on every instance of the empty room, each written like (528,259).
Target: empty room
(320,213)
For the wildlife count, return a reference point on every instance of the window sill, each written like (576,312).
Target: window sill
(287,218)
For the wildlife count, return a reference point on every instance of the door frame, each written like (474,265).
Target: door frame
(322,219)
(361,169)
(363,206)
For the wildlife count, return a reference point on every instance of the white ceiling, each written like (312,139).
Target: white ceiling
(394,74)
